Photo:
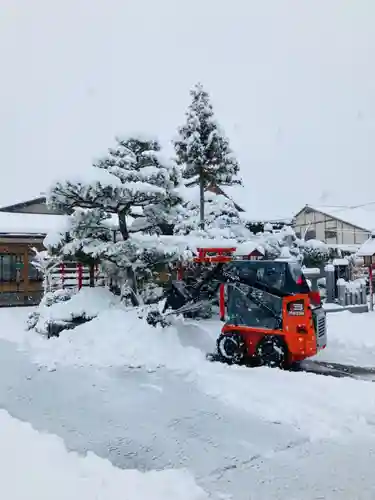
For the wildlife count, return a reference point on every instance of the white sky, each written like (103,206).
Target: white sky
(292,82)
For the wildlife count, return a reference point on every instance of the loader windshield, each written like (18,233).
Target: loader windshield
(250,307)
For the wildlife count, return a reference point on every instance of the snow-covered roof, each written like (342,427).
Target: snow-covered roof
(23,204)
(362,216)
(30,224)
(368,247)
(249,247)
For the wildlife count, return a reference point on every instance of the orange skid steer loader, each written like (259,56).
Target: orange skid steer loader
(270,314)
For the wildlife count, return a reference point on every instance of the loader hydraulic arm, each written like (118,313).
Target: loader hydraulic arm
(183,299)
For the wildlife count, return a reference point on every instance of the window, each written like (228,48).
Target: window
(9,264)
(331,224)
(330,234)
(310,235)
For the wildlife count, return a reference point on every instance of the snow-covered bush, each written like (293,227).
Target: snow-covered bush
(315,253)
(152,294)
(283,244)
(48,300)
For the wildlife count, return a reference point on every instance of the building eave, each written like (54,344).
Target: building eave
(23,204)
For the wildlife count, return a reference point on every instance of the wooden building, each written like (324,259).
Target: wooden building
(23,227)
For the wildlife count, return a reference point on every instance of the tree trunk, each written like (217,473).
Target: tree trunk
(92,275)
(123,227)
(201,198)
(130,271)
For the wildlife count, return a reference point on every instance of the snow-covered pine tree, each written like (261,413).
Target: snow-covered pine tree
(134,175)
(203,150)
(84,236)
(140,165)
(222,219)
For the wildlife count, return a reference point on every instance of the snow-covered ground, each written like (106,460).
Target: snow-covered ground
(118,338)
(351,339)
(35,465)
(230,426)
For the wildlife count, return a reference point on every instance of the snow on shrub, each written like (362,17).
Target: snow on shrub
(314,252)
(66,306)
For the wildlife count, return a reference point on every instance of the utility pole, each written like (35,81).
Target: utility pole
(201,197)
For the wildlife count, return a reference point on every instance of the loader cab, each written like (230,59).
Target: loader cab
(287,277)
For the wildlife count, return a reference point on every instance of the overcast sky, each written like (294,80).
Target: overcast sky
(292,83)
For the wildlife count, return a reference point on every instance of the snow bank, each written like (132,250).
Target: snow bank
(115,338)
(87,302)
(35,465)
(351,339)
(320,407)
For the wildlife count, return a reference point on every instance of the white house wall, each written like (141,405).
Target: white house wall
(319,226)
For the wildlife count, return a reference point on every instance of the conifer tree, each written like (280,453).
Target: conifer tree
(202,150)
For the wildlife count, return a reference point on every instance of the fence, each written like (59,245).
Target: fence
(342,292)
(72,275)
(351,293)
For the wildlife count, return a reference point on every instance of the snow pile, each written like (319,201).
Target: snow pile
(66,306)
(35,465)
(351,339)
(87,302)
(115,338)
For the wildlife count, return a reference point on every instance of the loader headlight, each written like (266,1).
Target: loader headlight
(301,329)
